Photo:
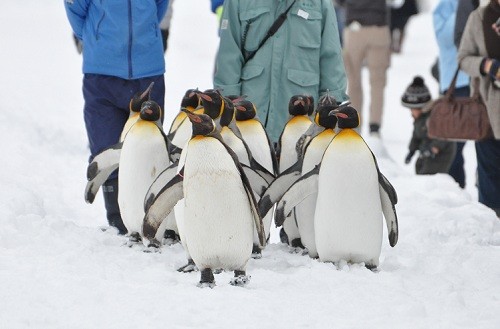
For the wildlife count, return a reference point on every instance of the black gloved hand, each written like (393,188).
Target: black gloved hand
(408,157)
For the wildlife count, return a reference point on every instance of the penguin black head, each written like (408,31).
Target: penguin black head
(203,125)
(135,104)
(212,102)
(191,99)
(310,104)
(245,110)
(323,117)
(227,112)
(347,117)
(150,111)
(326,104)
(299,105)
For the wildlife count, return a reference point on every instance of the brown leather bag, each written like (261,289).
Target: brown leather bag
(459,118)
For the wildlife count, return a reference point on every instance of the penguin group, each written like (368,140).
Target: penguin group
(216,182)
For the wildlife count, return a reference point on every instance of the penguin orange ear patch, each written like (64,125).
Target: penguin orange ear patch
(241,108)
(341,115)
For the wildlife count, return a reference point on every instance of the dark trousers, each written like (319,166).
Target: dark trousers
(488,172)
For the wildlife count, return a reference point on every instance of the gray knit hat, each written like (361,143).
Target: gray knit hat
(417,94)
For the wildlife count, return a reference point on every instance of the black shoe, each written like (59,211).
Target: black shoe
(374,127)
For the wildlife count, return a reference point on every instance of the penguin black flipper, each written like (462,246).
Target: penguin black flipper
(259,184)
(300,190)
(278,187)
(162,205)
(161,181)
(388,199)
(100,168)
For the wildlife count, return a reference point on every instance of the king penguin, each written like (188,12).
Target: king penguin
(352,195)
(107,161)
(219,206)
(313,155)
(143,156)
(299,108)
(255,136)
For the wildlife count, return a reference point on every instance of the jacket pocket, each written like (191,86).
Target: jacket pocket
(251,71)
(254,27)
(303,78)
(306,28)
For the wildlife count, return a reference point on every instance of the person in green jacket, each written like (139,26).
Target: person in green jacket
(304,55)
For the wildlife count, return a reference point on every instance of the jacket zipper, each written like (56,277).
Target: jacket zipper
(130,72)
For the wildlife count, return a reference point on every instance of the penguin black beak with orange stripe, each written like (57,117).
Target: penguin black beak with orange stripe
(347,117)
(139,98)
(203,125)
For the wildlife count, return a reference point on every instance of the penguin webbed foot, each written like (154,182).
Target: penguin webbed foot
(206,279)
(170,238)
(188,268)
(240,279)
(372,267)
(256,252)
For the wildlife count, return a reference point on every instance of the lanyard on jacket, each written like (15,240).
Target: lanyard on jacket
(272,30)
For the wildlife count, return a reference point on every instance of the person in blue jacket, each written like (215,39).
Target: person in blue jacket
(444,16)
(122,55)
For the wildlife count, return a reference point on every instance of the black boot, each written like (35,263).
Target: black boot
(110,192)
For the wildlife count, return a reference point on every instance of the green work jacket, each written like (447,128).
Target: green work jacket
(303,57)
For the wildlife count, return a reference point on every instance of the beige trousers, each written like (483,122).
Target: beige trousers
(370,46)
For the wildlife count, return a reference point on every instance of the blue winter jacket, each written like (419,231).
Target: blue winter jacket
(444,27)
(120,37)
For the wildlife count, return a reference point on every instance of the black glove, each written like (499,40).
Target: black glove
(408,157)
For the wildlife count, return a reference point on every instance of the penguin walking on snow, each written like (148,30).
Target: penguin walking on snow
(255,136)
(299,108)
(107,161)
(352,195)
(143,156)
(220,209)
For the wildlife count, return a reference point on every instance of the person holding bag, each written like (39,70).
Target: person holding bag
(479,56)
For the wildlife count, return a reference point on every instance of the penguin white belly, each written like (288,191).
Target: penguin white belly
(130,122)
(294,129)
(183,134)
(255,136)
(143,157)
(179,207)
(235,144)
(348,216)
(218,223)
(305,210)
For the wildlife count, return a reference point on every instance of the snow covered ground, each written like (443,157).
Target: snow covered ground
(59,270)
